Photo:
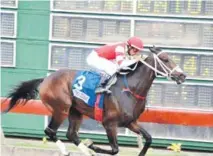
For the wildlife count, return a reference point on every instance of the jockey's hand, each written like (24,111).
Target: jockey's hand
(118,70)
(137,57)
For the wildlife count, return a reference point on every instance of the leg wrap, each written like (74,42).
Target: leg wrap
(84,149)
(62,147)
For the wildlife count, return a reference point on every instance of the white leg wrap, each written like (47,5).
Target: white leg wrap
(84,149)
(62,147)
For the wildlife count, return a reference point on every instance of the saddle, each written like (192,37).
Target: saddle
(107,81)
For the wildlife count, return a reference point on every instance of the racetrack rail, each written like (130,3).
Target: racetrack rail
(155,115)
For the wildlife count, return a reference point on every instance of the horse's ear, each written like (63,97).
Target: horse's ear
(155,49)
(158,49)
(152,49)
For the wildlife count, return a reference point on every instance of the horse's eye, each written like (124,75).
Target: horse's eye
(166,61)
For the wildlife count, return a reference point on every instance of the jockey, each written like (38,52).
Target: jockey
(111,58)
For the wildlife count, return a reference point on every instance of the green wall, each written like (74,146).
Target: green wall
(31,60)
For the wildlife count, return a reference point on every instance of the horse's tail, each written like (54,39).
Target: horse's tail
(24,91)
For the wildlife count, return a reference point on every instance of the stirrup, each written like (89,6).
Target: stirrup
(102,90)
(111,81)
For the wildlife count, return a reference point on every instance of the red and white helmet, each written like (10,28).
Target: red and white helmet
(135,42)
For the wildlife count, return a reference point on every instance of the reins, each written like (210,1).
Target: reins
(167,73)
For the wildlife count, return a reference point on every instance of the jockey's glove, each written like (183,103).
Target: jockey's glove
(137,57)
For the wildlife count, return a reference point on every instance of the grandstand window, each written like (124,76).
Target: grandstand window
(8,53)
(174,7)
(187,95)
(9,3)
(89,28)
(96,29)
(176,33)
(198,66)
(190,8)
(73,57)
(105,6)
(8,24)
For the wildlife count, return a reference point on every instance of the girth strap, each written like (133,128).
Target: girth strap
(126,89)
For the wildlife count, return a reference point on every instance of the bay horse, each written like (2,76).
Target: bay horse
(121,108)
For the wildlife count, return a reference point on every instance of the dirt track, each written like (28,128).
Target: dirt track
(23,151)
(26,147)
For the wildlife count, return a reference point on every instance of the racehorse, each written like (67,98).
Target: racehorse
(121,108)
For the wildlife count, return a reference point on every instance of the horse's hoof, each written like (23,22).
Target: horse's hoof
(67,154)
(87,142)
(92,153)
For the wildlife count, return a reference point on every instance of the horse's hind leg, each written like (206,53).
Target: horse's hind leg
(51,130)
(75,120)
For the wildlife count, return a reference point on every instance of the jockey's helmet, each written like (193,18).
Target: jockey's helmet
(135,42)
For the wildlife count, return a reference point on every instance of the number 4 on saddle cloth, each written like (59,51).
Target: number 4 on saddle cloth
(84,86)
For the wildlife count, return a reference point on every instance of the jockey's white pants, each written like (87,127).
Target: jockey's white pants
(101,63)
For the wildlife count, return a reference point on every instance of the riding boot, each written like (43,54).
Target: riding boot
(104,80)
(106,84)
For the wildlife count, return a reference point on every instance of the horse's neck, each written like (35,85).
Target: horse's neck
(143,79)
(143,82)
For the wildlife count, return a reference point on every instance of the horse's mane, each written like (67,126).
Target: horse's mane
(137,64)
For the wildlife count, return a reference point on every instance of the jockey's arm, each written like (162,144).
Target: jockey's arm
(126,63)
(121,60)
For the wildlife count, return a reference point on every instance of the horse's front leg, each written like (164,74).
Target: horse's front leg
(111,130)
(135,127)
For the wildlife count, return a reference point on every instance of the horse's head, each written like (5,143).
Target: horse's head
(165,66)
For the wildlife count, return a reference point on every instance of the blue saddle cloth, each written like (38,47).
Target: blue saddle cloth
(84,85)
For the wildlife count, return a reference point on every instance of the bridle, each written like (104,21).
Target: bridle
(167,72)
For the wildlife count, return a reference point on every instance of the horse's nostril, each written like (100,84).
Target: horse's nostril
(183,75)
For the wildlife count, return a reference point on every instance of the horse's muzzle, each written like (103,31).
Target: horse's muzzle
(180,78)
